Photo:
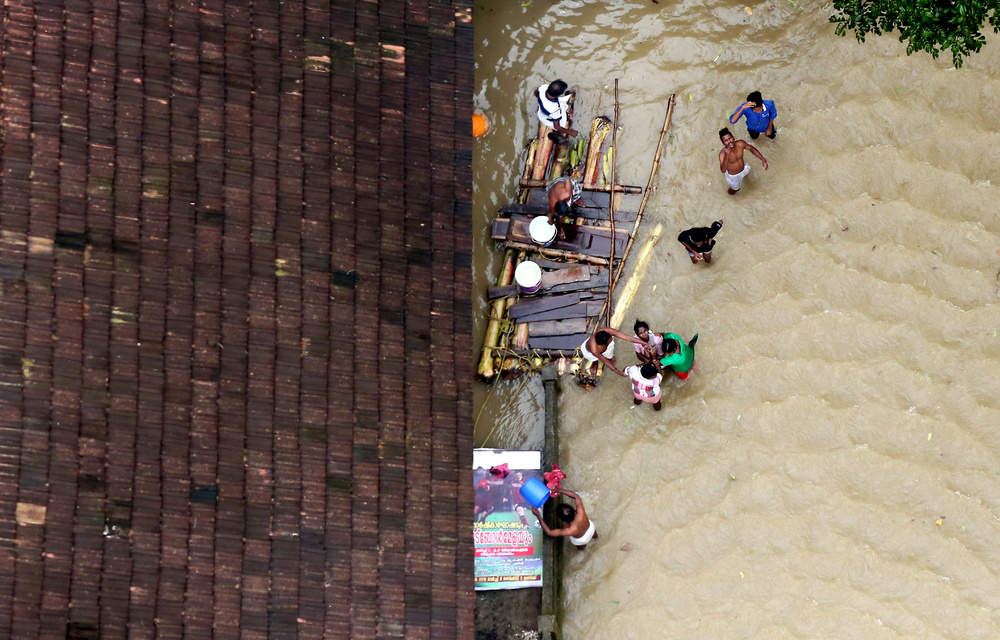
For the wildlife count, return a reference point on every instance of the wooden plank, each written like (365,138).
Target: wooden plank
(587,240)
(578,273)
(504,291)
(578,310)
(566,327)
(501,227)
(590,213)
(545,303)
(557,342)
(582,309)
(598,281)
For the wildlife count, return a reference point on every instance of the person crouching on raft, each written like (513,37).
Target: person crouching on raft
(652,343)
(645,384)
(600,347)
(580,529)
(679,357)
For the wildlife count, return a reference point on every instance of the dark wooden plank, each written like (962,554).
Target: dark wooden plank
(502,291)
(557,342)
(566,327)
(545,303)
(582,309)
(597,281)
(588,240)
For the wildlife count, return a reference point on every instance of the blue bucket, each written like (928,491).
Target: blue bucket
(535,492)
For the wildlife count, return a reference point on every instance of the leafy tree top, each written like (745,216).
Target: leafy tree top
(933,26)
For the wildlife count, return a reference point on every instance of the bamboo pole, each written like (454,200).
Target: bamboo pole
(486,371)
(633,283)
(649,184)
(611,204)
(587,186)
(529,162)
(538,172)
(642,206)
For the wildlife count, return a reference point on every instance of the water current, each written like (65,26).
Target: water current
(832,467)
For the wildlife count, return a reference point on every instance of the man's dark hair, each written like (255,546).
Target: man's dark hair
(755,98)
(639,324)
(556,88)
(602,337)
(725,132)
(670,345)
(565,512)
(562,208)
(648,371)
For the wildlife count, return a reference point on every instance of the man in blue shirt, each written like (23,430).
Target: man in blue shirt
(760,115)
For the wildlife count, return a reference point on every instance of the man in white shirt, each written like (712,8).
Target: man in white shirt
(553,107)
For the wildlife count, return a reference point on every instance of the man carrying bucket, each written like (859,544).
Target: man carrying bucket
(580,529)
(564,193)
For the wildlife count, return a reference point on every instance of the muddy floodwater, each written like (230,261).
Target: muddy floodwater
(832,467)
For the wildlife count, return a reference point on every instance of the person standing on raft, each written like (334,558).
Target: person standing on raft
(731,160)
(645,381)
(600,347)
(553,107)
(699,242)
(580,529)
(679,357)
(564,193)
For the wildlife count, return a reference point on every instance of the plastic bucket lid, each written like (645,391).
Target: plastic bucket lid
(535,492)
(541,231)
(528,275)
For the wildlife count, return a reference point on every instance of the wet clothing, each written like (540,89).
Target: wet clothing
(588,356)
(586,537)
(681,361)
(574,185)
(644,389)
(551,111)
(758,122)
(655,341)
(736,181)
(692,237)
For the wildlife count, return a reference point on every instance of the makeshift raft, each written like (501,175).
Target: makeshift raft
(529,330)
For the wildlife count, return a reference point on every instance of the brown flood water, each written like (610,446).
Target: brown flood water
(832,467)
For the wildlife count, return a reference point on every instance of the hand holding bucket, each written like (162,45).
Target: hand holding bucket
(535,492)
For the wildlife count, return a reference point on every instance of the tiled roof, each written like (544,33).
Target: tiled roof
(235,321)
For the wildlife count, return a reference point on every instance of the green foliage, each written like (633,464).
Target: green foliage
(925,25)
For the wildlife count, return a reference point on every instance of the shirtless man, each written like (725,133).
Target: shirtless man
(564,192)
(600,347)
(579,528)
(731,160)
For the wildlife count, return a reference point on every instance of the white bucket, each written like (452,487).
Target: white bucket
(528,276)
(541,231)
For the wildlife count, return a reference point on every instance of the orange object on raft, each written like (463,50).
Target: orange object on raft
(480,124)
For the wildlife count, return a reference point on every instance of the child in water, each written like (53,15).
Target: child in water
(645,381)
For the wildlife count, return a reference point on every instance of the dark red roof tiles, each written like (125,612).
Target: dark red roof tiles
(235,351)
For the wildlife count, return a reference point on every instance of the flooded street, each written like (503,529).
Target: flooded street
(832,467)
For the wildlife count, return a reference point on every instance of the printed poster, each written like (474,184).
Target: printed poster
(507,535)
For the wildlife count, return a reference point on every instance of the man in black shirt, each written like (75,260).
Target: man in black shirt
(699,242)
